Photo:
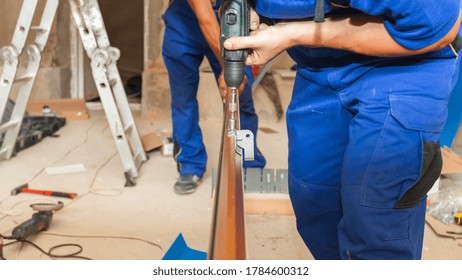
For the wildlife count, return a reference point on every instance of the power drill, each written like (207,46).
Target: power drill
(234,21)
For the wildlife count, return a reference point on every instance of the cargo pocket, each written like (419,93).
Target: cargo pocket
(432,163)
(429,117)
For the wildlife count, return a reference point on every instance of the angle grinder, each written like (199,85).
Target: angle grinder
(40,221)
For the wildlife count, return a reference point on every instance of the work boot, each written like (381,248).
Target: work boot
(186,184)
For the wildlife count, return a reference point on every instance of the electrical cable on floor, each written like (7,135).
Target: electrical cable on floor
(107,192)
(15,212)
(74,255)
(105,237)
(85,140)
(104,192)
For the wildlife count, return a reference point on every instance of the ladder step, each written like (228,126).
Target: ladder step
(38,28)
(4,127)
(113,82)
(129,128)
(23,78)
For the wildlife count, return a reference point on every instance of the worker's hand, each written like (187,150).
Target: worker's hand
(254,20)
(265,44)
(223,87)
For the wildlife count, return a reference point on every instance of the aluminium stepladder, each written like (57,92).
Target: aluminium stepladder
(90,24)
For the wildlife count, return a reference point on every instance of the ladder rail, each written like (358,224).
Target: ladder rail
(88,38)
(90,23)
(28,78)
(46,22)
(10,54)
(11,135)
(23,24)
(124,109)
(115,123)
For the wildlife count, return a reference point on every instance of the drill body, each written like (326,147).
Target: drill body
(234,21)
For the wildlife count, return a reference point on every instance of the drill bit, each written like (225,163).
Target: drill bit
(232,111)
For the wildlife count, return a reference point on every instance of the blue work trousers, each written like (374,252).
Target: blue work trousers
(363,151)
(183,51)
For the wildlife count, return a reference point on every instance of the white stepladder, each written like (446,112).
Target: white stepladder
(10,57)
(90,24)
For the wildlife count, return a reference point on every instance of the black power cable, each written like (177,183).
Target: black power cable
(50,254)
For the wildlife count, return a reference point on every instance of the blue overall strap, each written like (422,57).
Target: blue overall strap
(319,11)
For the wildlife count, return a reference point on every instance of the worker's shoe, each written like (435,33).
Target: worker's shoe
(186,184)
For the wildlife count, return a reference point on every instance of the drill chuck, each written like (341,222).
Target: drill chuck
(234,73)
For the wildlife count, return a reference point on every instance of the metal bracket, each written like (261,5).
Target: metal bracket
(244,142)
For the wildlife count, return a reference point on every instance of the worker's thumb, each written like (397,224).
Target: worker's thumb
(236,43)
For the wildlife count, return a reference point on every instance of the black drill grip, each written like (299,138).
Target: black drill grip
(234,21)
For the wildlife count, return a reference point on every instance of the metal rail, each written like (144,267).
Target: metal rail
(228,239)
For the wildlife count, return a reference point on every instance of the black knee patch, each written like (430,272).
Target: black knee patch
(432,164)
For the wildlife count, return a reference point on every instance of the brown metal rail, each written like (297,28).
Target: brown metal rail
(227,241)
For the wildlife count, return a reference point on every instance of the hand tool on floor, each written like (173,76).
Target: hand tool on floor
(25,189)
(39,221)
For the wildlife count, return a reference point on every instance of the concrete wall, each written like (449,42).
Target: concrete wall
(124,22)
(8,17)
(156,88)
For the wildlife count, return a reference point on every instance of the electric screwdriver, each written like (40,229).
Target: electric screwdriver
(234,21)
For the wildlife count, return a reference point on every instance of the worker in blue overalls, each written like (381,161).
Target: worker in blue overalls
(192,32)
(368,105)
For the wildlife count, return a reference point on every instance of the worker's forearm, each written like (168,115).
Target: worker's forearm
(211,33)
(358,33)
(208,24)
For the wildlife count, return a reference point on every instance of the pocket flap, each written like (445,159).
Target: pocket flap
(419,113)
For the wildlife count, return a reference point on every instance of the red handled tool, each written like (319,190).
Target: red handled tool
(25,189)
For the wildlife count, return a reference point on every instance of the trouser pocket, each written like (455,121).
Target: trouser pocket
(427,116)
(407,158)
(432,164)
